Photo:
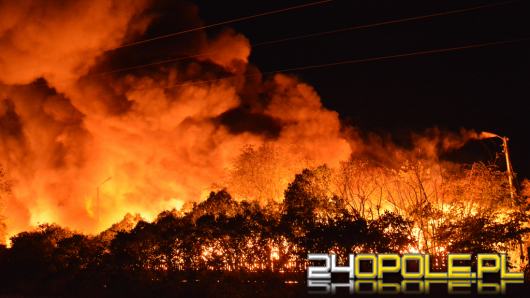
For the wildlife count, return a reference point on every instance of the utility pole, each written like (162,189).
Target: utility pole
(509,168)
(510,173)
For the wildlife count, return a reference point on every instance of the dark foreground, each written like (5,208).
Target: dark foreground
(274,287)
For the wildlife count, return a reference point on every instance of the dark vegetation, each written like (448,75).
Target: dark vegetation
(222,241)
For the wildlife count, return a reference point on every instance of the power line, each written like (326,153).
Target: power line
(418,53)
(310,35)
(362,60)
(231,21)
(396,21)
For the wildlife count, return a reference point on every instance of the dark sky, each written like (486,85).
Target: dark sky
(482,89)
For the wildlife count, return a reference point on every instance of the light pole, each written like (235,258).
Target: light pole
(97,197)
(509,169)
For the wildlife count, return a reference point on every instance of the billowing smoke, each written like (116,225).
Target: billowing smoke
(82,149)
(61,40)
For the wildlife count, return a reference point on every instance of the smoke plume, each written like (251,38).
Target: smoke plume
(82,149)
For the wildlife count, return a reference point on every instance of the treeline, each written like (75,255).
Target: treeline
(222,238)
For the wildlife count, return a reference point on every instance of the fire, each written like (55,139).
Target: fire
(161,145)
(82,150)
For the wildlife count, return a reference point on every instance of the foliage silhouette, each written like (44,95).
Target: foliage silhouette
(222,240)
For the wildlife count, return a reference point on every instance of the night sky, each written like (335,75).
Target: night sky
(481,89)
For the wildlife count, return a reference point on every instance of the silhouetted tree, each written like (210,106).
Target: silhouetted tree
(481,233)
(389,233)
(222,238)
(30,258)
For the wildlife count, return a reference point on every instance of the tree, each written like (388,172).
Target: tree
(78,259)
(481,233)
(30,258)
(361,184)
(217,203)
(389,233)
(259,174)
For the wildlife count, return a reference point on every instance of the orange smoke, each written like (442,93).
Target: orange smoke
(82,150)
(65,134)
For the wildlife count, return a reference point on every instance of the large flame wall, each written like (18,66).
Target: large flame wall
(81,149)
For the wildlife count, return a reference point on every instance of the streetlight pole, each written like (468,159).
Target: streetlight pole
(509,168)
(509,171)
